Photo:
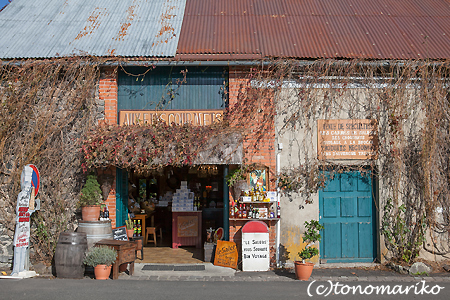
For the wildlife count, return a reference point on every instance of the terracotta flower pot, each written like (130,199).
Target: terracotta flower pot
(130,233)
(303,270)
(90,212)
(102,272)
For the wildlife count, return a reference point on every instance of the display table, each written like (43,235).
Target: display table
(187,228)
(126,253)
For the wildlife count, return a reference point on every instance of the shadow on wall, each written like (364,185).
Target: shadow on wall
(284,255)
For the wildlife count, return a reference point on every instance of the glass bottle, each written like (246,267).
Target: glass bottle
(232,211)
(139,228)
(244,212)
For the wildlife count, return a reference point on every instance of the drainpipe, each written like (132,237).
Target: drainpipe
(226,201)
(278,227)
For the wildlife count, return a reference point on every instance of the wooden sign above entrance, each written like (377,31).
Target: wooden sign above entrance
(347,139)
(179,117)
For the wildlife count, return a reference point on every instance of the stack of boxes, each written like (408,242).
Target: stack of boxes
(183,199)
(164,200)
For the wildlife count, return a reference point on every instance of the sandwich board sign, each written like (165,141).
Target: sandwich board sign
(255,247)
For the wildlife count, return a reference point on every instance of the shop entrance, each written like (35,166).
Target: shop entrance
(158,199)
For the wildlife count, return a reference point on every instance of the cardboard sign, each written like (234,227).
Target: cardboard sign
(226,254)
(347,139)
(120,233)
(187,226)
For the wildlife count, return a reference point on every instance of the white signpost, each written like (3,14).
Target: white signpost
(255,247)
(26,205)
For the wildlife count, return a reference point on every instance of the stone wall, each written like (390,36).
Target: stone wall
(6,247)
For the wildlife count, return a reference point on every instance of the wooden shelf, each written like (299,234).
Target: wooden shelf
(257,202)
(265,219)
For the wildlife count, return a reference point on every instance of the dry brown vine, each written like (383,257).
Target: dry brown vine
(48,105)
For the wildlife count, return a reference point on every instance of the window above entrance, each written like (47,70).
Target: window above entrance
(172,88)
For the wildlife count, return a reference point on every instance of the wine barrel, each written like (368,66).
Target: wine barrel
(95,231)
(69,255)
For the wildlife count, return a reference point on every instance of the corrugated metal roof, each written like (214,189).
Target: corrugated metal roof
(380,29)
(52,28)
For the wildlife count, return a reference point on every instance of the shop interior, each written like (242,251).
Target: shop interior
(151,201)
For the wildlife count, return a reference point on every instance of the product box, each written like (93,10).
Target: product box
(263,213)
(272,196)
(246,199)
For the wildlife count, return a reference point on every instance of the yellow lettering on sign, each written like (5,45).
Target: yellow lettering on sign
(194,117)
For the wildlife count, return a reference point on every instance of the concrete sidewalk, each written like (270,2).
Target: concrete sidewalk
(333,272)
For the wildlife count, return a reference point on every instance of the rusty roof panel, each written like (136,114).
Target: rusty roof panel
(379,29)
(425,34)
(386,39)
(52,28)
(348,38)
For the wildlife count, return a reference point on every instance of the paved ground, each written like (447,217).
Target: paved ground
(357,272)
(333,272)
(349,272)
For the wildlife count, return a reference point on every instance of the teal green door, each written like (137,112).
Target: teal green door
(347,212)
(121,197)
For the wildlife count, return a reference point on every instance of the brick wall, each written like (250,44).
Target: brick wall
(111,200)
(108,94)
(263,153)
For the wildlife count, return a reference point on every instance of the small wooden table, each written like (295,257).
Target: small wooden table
(126,253)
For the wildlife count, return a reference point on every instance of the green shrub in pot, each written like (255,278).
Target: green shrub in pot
(91,194)
(310,237)
(102,255)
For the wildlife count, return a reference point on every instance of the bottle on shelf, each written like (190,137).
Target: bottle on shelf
(250,212)
(278,210)
(240,212)
(101,215)
(232,211)
(106,216)
(244,212)
(271,213)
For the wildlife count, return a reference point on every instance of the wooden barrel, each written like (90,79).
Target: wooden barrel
(69,254)
(95,231)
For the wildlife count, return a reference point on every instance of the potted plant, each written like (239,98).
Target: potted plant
(237,181)
(129,227)
(90,199)
(101,258)
(312,235)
